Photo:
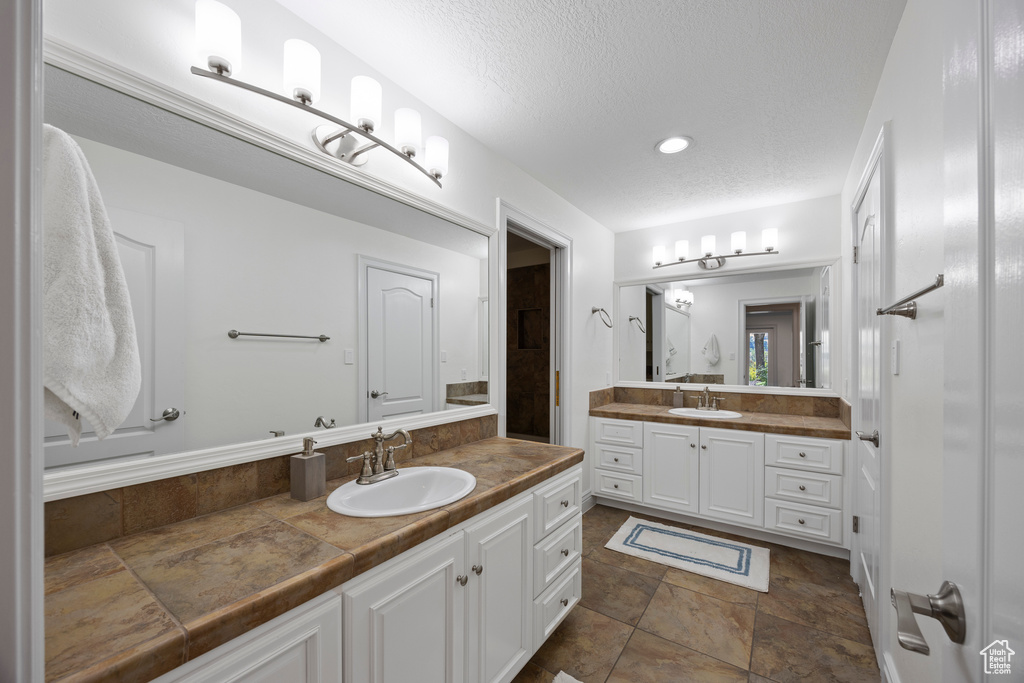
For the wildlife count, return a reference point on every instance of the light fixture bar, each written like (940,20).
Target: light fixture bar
(322,114)
(720,260)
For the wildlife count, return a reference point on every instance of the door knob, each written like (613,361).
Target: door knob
(170,415)
(378,394)
(872,437)
(947,606)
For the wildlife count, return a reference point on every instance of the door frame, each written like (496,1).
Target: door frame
(879,159)
(363,263)
(511,219)
(742,359)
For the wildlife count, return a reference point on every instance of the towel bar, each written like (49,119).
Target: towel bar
(907,307)
(235,334)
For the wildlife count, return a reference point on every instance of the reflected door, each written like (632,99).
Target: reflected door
(152,256)
(400,324)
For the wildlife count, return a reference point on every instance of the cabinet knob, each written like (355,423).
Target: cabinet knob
(615,485)
(565,503)
(693,445)
(462,579)
(803,455)
(704,446)
(565,602)
(565,551)
(800,520)
(478,569)
(615,459)
(802,487)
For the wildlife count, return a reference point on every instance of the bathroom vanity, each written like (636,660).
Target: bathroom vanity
(775,476)
(466,592)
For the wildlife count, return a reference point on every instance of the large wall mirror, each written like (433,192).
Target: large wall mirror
(770,329)
(387,303)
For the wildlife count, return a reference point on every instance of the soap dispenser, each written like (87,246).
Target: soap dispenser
(309,473)
(677,398)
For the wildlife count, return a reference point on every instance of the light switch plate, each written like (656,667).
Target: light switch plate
(444,356)
(894,358)
(350,357)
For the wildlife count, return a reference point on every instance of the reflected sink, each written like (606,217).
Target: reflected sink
(415,489)
(705,414)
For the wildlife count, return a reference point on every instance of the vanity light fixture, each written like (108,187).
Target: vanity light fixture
(710,260)
(218,41)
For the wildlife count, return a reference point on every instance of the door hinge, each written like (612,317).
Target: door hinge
(856,524)
(856,254)
(431,302)
(557,388)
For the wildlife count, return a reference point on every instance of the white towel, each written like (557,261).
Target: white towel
(710,351)
(563,677)
(90,353)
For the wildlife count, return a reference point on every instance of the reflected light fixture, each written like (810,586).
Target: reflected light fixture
(219,47)
(673,144)
(709,259)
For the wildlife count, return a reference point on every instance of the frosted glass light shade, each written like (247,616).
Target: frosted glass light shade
(707,245)
(436,156)
(739,242)
(770,239)
(682,250)
(366,102)
(218,37)
(408,135)
(659,255)
(301,71)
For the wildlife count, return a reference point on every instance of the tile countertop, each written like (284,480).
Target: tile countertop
(137,607)
(772,423)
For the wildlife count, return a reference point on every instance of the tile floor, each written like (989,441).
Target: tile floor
(642,622)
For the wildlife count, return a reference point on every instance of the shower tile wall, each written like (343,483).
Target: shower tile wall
(529,350)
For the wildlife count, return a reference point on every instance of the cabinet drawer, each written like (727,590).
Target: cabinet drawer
(558,503)
(619,458)
(820,524)
(803,453)
(804,487)
(555,603)
(552,555)
(619,432)
(615,485)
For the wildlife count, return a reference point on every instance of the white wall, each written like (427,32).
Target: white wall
(910,95)
(258,263)
(632,342)
(677,337)
(808,233)
(155,40)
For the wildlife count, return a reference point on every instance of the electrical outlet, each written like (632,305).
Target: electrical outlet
(464,374)
(732,356)
(350,356)
(444,356)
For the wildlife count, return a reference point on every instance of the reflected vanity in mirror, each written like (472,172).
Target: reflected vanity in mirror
(768,329)
(350,307)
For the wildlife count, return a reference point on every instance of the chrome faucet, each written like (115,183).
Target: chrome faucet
(705,401)
(379,464)
(321,422)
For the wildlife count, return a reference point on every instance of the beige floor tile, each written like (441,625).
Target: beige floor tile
(615,592)
(586,646)
(532,673)
(723,590)
(826,609)
(650,659)
(787,652)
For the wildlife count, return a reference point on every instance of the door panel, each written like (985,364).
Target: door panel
(671,465)
(732,476)
(152,256)
(400,343)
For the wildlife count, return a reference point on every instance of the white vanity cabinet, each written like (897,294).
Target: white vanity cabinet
(465,607)
(671,464)
(804,487)
(732,476)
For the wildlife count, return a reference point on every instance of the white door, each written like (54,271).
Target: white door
(867,456)
(500,598)
(732,476)
(152,256)
(671,466)
(400,324)
(408,624)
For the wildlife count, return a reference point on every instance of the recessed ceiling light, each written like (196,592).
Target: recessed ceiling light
(673,145)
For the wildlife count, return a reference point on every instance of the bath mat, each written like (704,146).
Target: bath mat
(563,677)
(716,558)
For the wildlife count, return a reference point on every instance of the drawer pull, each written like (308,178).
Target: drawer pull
(565,602)
(462,579)
(693,445)
(615,485)
(615,459)
(565,503)
(802,454)
(478,569)
(565,551)
(802,487)
(800,521)
(704,446)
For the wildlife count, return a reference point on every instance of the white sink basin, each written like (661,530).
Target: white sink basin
(415,489)
(705,414)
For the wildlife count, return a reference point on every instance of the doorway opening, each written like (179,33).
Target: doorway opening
(773,335)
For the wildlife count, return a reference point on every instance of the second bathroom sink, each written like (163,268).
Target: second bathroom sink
(415,489)
(705,414)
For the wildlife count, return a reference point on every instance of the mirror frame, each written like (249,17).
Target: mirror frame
(93,477)
(835,359)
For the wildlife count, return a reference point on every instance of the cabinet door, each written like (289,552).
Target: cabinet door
(732,476)
(407,624)
(500,598)
(670,467)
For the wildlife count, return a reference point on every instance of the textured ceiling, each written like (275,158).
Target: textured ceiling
(577,92)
